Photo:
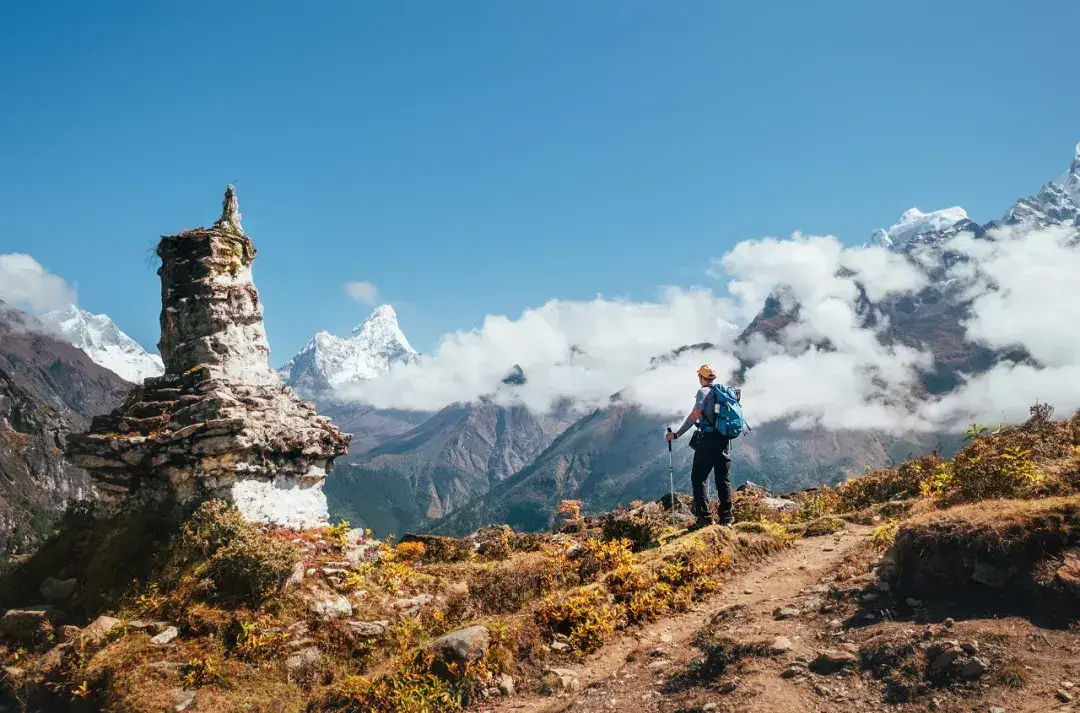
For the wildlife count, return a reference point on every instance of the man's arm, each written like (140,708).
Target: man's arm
(690,421)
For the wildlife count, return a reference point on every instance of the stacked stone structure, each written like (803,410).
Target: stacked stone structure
(218,423)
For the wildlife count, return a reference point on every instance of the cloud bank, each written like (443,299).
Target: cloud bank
(831,364)
(26,284)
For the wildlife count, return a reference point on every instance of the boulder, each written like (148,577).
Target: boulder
(96,632)
(332,607)
(465,645)
(785,613)
(559,680)
(304,662)
(506,685)
(974,668)
(780,645)
(25,624)
(832,660)
(56,590)
(369,629)
(940,659)
(165,637)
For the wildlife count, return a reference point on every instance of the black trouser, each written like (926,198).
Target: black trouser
(713,453)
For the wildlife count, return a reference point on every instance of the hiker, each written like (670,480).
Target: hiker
(718,419)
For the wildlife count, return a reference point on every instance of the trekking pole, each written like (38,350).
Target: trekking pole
(671,479)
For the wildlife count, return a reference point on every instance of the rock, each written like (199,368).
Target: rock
(996,709)
(183,699)
(780,645)
(970,647)
(1068,575)
(165,637)
(296,577)
(24,624)
(709,708)
(411,604)
(945,659)
(911,602)
(559,680)
(974,668)
(559,646)
(785,613)
(729,685)
(332,607)
(369,629)
(882,586)
(949,623)
(304,662)
(1063,696)
(55,590)
(465,645)
(666,638)
(68,633)
(832,660)
(506,685)
(96,632)
(218,423)
(793,670)
(54,657)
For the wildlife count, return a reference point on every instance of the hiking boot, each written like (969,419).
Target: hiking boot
(702,521)
(727,521)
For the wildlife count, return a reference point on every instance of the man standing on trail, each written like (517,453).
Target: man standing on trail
(712,451)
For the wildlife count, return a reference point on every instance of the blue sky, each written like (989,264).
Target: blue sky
(482,157)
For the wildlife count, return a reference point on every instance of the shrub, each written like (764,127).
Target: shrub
(412,687)
(585,617)
(596,556)
(640,530)
(570,512)
(250,569)
(409,552)
(822,526)
(885,534)
(887,484)
(508,586)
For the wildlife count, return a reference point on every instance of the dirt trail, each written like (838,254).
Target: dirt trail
(634,672)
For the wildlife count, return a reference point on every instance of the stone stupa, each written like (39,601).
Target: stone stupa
(219,423)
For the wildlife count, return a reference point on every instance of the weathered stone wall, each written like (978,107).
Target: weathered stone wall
(218,423)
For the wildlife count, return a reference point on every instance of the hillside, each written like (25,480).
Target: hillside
(48,389)
(913,588)
(445,462)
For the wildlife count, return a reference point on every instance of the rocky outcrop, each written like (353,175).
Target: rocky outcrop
(218,423)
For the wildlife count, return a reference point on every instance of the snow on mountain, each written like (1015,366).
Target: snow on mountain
(1057,203)
(914,223)
(329,363)
(104,343)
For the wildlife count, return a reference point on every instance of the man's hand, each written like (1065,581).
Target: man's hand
(669,436)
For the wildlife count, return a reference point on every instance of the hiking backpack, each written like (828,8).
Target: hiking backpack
(726,418)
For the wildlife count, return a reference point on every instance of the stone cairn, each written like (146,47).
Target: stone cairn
(218,423)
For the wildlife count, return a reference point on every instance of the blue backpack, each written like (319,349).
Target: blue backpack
(726,417)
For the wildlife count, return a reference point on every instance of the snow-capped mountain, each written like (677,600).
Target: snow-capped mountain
(329,363)
(104,343)
(914,223)
(1058,203)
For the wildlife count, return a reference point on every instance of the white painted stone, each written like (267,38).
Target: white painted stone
(283,502)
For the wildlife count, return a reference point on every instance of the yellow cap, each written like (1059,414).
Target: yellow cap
(706,372)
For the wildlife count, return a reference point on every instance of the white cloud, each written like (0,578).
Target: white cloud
(25,283)
(830,365)
(362,291)
(1025,292)
(584,351)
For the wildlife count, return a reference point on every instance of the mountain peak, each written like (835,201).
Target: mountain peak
(329,363)
(381,315)
(1057,203)
(914,223)
(104,343)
